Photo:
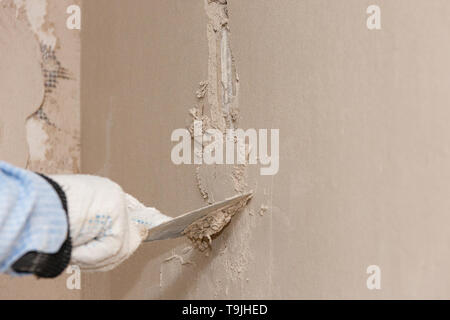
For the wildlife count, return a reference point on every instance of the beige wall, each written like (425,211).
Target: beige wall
(41,134)
(363,122)
(137,87)
(365,164)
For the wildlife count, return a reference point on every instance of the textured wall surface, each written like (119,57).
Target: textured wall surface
(41,121)
(364,158)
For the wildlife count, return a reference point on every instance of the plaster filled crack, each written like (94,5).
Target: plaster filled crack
(217,108)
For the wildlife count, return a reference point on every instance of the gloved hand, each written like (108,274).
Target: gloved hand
(106,224)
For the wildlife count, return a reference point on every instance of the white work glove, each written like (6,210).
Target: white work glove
(106,224)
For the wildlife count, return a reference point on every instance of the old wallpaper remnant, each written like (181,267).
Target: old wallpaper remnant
(21,83)
(40,106)
(53,126)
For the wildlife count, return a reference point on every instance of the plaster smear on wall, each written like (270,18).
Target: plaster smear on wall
(52,136)
(229,256)
(217,108)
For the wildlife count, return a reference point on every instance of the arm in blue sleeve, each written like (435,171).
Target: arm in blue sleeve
(32,217)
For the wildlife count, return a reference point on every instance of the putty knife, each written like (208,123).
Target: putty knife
(175,227)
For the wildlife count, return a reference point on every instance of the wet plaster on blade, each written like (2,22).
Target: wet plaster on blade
(53,138)
(202,232)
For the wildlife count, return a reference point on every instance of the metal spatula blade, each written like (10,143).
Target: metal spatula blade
(175,227)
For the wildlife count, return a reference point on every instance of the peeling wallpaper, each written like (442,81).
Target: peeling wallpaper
(40,123)
(20,73)
(53,132)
